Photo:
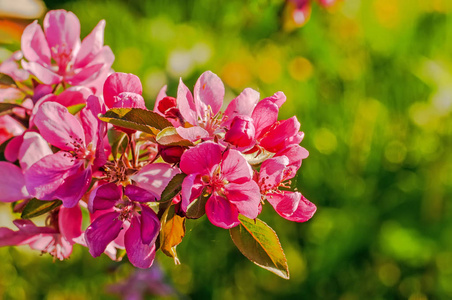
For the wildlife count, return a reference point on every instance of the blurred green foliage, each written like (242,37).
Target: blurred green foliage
(371,83)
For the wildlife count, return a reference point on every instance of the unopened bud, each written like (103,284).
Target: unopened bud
(171,154)
(241,133)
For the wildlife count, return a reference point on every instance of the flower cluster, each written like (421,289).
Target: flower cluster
(77,136)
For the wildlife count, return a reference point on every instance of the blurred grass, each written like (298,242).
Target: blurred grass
(371,83)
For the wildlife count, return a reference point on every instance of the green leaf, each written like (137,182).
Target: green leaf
(173,188)
(197,208)
(76,108)
(6,80)
(172,232)
(118,142)
(170,137)
(6,108)
(260,244)
(37,207)
(136,119)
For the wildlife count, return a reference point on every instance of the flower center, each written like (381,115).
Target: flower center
(126,208)
(79,151)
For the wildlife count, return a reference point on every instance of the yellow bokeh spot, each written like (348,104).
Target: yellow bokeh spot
(300,68)
(418,296)
(269,70)
(236,75)
(389,274)
(325,141)
(387,12)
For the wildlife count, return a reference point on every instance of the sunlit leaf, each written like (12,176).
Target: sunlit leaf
(136,119)
(6,108)
(37,207)
(173,188)
(76,108)
(197,208)
(170,137)
(6,80)
(260,244)
(172,233)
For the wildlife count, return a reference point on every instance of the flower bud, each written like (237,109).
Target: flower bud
(171,154)
(168,107)
(241,133)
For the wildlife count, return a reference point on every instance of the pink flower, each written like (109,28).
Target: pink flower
(56,239)
(10,67)
(75,62)
(12,181)
(226,177)
(202,109)
(129,214)
(276,173)
(66,175)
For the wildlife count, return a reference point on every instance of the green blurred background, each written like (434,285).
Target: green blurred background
(370,82)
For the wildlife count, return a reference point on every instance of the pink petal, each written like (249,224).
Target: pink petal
(45,75)
(9,237)
(138,194)
(264,115)
(155,177)
(292,206)
(70,223)
(27,226)
(246,197)
(34,44)
(91,45)
(12,183)
(62,31)
(150,225)
(74,187)
(33,148)
(45,176)
(10,128)
(221,212)
(235,168)
(192,134)
(202,159)
(278,98)
(139,254)
(59,127)
(84,74)
(71,96)
(10,67)
(102,231)
(93,128)
(243,105)
(191,189)
(186,104)
(104,197)
(276,139)
(127,99)
(295,153)
(208,91)
(93,75)
(118,83)
(272,172)
(12,148)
